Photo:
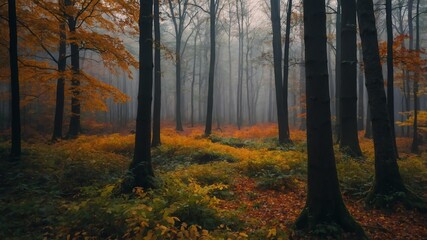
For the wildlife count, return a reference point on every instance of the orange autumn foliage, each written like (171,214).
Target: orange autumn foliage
(38,46)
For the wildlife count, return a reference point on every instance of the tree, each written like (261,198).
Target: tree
(15,152)
(349,141)
(338,71)
(86,27)
(388,182)
(277,54)
(60,85)
(74,127)
(212,13)
(141,168)
(390,71)
(157,78)
(286,70)
(324,204)
(230,69)
(415,143)
(239,101)
(178,14)
(197,22)
(360,100)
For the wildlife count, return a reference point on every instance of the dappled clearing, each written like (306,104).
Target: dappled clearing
(232,185)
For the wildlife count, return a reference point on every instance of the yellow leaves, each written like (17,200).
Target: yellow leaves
(421,120)
(107,190)
(272,232)
(172,220)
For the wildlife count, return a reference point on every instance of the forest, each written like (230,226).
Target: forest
(213,119)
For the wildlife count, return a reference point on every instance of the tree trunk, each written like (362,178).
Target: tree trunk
(239,112)
(230,87)
(368,130)
(324,204)
(338,73)
(141,168)
(193,81)
(15,152)
(388,182)
(248,77)
(303,125)
(286,72)
(390,72)
(178,110)
(415,143)
(60,85)
(157,78)
(208,129)
(270,95)
(74,127)
(277,54)
(411,47)
(349,139)
(361,100)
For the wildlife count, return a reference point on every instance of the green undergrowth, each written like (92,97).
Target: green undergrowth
(69,189)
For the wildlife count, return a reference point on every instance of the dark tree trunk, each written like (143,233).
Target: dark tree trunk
(338,73)
(411,47)
(248,77)
(193,81)
(15,152)
(74,127)
(388,182)
(60,86)
(277,54)
(178,110)
(361,99)
(141,168)
(239,112)
(178,18)
(390,72)
(302,96)
(349,140)
(368,130)
(415,142)
(157,78)
(324,204)
(208,129)
(286,72)
(270,95)
(231,108)
(199,104)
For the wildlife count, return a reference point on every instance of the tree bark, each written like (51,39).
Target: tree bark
(60,85)
(239,112)
(193,81)
(388,182)
(286,71)
(390,72)
(349,140)
(157,78)
(208,128)
(415,143)
(338,73)
(141,168)
(231,108)
(15,152)
(368,130)
(74,127)
(324,204)
(361,100)
(277,54)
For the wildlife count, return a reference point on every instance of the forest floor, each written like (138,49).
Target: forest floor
(233,185)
